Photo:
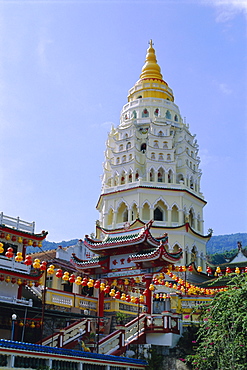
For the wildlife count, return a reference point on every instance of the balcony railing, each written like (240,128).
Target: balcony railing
(17,223)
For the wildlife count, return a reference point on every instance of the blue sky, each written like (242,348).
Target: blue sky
(65,71)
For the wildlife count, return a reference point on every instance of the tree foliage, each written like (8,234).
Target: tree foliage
(222,334)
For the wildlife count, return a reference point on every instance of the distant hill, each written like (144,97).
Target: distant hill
(47,246)
(217,244)
(223,243)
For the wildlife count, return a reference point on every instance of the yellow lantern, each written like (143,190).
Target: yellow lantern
(157,296)
(21,324)
(182,289)
(114,282)
(39,244)
(32,325)
(199,269)
(30,242)
(7,237)
(218,270)
(78,280)
(19,282)
(151,287)
(184,268)
(36,263)
(133,299)
(126,282)
(112,293)
(174,286)
(90,283)
(102,286)
(30,284)
(51,270)
(18,257)
(237,270)
(137,280)
(65,276)
(167,283)
(19,240)
(141,298)
(1,248)
(123,297)
(7,279)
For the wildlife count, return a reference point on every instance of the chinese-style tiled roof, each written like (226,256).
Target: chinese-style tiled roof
(93,262)
(122,238)
(155,253)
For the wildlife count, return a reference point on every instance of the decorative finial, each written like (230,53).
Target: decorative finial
(151,43)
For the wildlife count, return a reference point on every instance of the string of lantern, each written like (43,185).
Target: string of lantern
(124,285)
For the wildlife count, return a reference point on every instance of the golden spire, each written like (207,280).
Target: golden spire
(151,69)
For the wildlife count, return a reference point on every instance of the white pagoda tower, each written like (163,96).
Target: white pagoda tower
(151,169)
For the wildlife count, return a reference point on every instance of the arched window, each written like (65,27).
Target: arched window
(124,159)
(161,157)
(137,176)
(143,147)
(158,214)
(191,183)
(145,113)
(156,144)
(134,213)
(139,97)
(120,147)
(110,217)
(123,178)
(128,145)
(146,212)
(125,215)
(175,118)
(134,114)
(151,175)
(180,177)
(156,112)
(122,213)
(152,155)
(130,157)
(165,145)
(170,177)
(168,157)
(174,214)
(191,218)
(161,175)
(130,177)
(117,160)
(160,133)
(160,211)
(168,114)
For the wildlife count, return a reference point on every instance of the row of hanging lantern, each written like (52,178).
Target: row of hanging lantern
(7,279)
(20,240)
(181,285)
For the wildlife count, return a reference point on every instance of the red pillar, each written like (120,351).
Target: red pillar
(148,279)
(101,310)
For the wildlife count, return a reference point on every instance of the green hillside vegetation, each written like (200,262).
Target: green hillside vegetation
(223,243)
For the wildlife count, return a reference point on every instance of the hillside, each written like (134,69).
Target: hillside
(223,243)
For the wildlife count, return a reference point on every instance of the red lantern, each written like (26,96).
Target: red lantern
(13,281)
(1,278)
(137,300)
(9,252)
(59,273)
(117,295)
(43,266)
(107,289)
(97,284)
(228,270)
(25,241)
(24,282)
(190,268)
(120,282)
(2,235)
(14,238)
(28,261)
(145,292)
(84,281)
(128,298)
(72,278)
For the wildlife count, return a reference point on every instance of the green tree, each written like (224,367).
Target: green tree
(222,334)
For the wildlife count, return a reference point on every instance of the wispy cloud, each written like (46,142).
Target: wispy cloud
(227,9)
(43,43)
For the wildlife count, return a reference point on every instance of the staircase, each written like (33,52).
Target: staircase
(116,343)
(68,337)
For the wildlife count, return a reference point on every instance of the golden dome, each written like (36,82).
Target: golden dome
(151,69)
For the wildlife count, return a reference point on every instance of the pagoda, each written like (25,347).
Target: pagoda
(150,190)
